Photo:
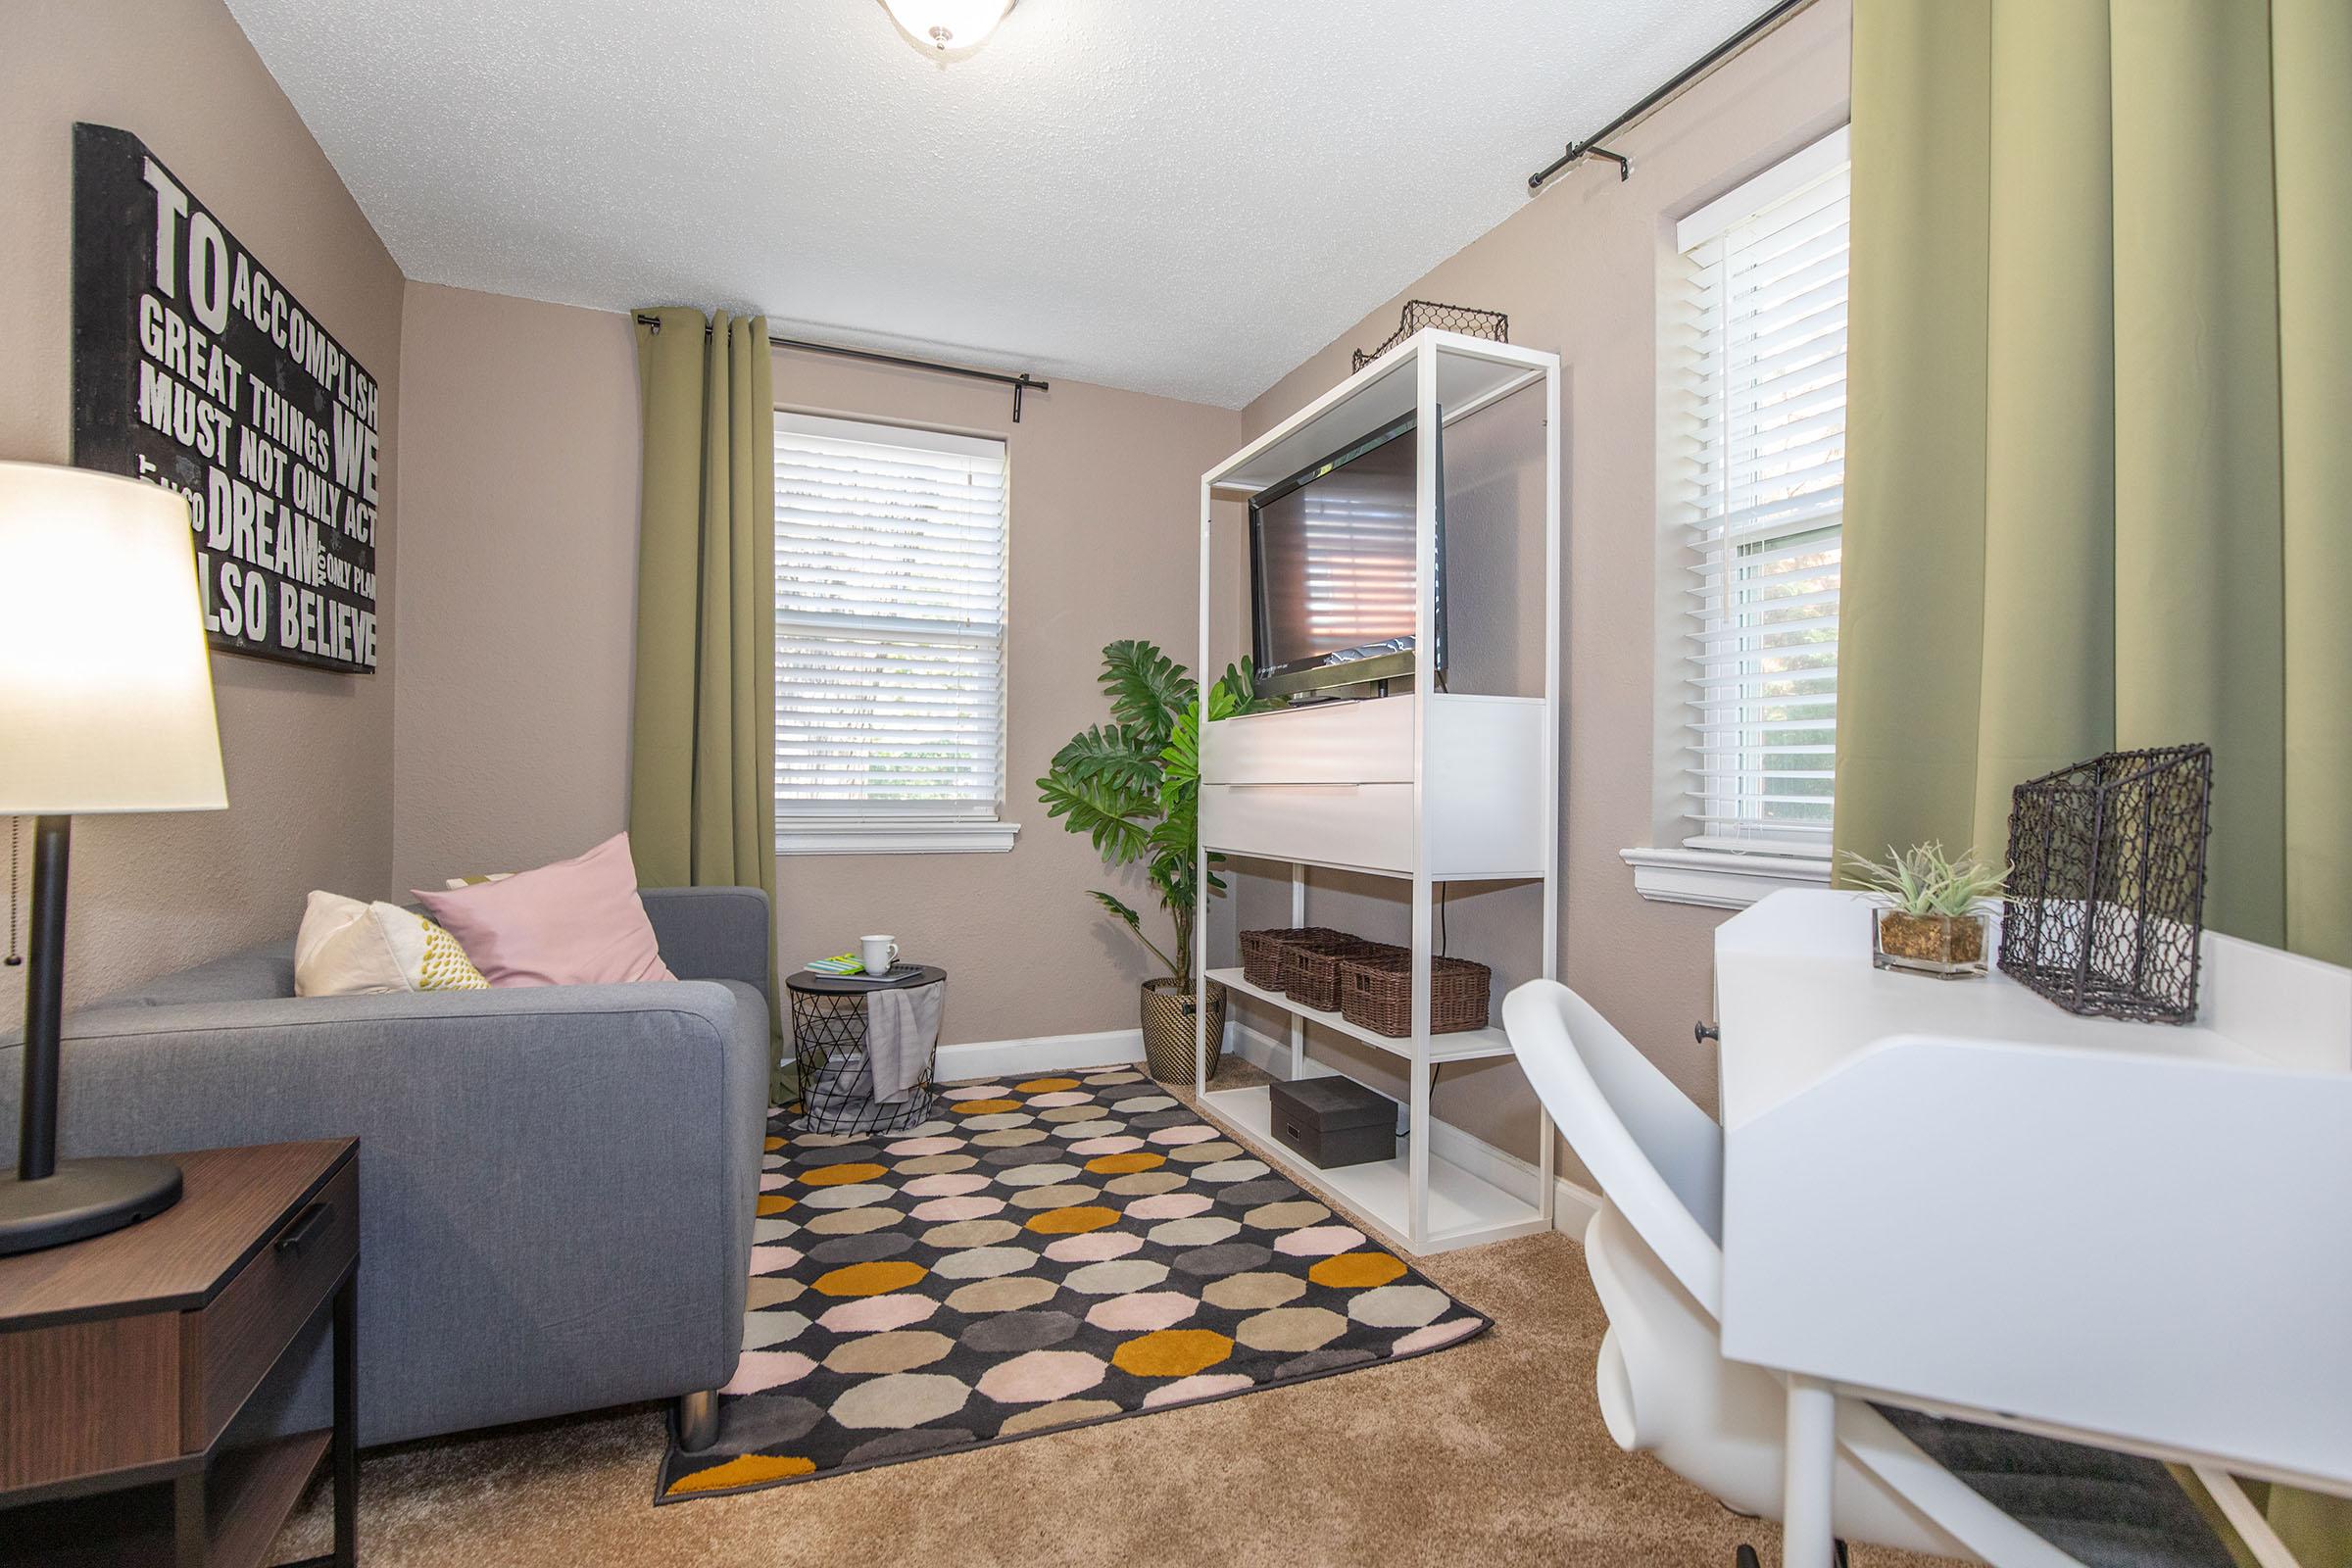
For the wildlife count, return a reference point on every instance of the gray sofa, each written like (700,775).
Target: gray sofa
(556,1184)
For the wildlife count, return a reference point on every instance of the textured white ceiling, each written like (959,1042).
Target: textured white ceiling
(1185,197)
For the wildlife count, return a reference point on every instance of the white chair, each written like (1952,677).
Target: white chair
(1655,1250)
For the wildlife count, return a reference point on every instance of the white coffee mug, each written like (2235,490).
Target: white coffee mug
(880,954)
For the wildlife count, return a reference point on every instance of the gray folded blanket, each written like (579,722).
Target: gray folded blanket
(902,1030)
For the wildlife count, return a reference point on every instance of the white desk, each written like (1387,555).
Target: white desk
(1956,1196)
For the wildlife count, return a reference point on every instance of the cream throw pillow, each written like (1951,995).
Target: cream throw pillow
(347,948)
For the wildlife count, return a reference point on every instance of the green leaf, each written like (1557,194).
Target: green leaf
(1106,815)
(1147,689)
(1135,922)
(1115,754)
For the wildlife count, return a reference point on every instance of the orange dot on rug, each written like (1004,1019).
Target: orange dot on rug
(1045,1086)
(1072,1221)
(840,1175)
(1171,1352)
(777,1203)
(744,1470)
(983,1108)
(870,1278)
(774,1144)
(1124,1164)
(1355,1271)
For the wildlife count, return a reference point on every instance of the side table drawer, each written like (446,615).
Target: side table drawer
(229,1345)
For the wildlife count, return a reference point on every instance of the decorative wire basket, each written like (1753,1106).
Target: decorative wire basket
(1492,325)
(2106,900)
(1376,992)
(1310,976)
(1262,951)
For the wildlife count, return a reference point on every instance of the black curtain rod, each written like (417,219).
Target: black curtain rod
(1024,382)
(1590,147)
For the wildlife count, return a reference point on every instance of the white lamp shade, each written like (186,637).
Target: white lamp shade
(106,689)
(949,24)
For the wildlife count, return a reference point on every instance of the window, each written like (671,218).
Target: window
(1752,487)
(889,638)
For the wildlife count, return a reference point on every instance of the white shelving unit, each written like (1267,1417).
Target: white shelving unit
(1427,788)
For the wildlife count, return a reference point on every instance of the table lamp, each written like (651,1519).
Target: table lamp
(106,704)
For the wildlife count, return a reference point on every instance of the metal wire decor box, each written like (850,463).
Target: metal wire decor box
(2106,900)
(1492,325)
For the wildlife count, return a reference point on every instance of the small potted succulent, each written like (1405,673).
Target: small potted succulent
(1929,917)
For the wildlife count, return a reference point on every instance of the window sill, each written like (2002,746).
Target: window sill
(871,837)
(1721,879)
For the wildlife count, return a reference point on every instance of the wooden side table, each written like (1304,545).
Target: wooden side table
(126,1358)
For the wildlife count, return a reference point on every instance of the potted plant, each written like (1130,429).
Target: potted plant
(1928,918)
(1133,787)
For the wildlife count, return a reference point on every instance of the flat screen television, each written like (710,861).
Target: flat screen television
(1331,570)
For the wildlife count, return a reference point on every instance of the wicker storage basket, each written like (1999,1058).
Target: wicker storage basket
(1262,951)
(1376,992)
(1311,975)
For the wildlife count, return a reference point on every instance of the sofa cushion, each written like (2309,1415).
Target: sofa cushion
(574,922)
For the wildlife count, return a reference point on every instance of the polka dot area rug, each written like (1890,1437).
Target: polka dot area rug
(1038,1255)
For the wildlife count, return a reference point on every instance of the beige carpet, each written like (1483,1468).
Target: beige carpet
(1492,1452)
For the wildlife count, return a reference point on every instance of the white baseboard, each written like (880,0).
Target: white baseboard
(1041,1054)
(1573,1207)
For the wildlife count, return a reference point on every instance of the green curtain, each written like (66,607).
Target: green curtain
(2101,352)
(701,757)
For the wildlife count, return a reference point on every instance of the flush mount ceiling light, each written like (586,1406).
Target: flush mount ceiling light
(944,26)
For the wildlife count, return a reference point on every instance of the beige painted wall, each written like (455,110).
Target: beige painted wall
(1105,544)
(309,754)
(519,562)
(1577,270)
(518,555)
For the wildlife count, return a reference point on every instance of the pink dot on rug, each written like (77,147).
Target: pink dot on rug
(1040,1375)
(767,1258)
(1194,1387)
(875,1313)
(1176,1137)
(1430,1338)
(964,1092)
(1143,1311)
(768,1370)
(878,1312)
(951,1186)
(925,1146)
(1097,1247)
(1320,1241)
(1170,1205)
(1060,1096)
(1117,1144)
(772,1180)
(971,1208)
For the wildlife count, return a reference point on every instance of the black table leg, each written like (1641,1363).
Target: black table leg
(347,1422)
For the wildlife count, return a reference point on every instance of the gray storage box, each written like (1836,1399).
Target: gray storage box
(1333,1122)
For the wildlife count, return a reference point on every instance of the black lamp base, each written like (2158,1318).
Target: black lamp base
(83,1198)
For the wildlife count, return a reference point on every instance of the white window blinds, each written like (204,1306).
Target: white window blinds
(1753,486)
(890,623)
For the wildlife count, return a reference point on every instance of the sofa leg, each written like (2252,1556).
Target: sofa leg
(697,1420)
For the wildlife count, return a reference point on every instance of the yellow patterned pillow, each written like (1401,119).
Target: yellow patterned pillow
(347,948)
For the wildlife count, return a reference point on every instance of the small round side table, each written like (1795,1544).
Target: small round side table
(828,1042)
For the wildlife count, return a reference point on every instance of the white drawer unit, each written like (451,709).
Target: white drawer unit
(1332,785)
(1428,787)
(1365,827)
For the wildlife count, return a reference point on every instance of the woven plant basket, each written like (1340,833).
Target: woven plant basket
(1310,976)
(1262,951)
(1376,992)
(1168,1030)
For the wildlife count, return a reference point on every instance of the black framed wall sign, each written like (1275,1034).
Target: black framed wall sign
(195,370)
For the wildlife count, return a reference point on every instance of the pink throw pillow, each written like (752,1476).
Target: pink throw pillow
(578,923)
